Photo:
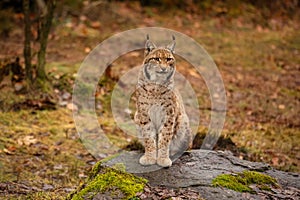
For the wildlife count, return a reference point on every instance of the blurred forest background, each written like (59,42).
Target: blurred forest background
(255,44)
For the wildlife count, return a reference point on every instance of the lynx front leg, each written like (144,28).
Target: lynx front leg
(164,140)
(149,140)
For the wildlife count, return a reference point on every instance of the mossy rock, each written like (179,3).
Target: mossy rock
(241,182)
(113,182)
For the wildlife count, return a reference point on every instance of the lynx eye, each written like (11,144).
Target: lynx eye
(155,59)
(169,59)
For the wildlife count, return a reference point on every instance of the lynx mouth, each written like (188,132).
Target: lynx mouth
(162,72)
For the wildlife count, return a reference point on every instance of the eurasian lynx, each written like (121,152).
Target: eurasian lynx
(160,115)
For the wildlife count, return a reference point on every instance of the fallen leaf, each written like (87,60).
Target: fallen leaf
(8,151)
(48,187)
(71,106)
(19,86)
(87,49)
(58,167)
(83,18)
(12,148)
(95,24)
(66,95)
(275,161)
(281,106)
(29,140)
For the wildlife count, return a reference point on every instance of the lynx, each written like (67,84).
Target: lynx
(160,115)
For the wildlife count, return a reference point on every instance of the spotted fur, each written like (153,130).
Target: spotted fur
(160,117)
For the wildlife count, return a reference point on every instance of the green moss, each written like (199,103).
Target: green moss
(117,183)
(231,182)
(120,166)
(98,166)
(241,181)
(258,178)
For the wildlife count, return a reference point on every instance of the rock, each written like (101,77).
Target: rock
(194,171)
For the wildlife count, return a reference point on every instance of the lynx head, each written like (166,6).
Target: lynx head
(159,62)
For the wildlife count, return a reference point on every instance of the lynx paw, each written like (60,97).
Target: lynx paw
(164,162)
(147,160)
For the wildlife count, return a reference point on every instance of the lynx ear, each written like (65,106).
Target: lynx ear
(171,46)
(149,46)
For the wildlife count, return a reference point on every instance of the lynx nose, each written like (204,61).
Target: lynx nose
(163,68)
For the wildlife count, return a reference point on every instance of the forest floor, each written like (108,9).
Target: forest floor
(41,154)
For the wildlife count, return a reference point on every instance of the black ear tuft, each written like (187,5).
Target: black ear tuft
(149,46)
(171,46)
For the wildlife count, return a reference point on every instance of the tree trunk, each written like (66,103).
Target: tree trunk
(44,29)
(27,48)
